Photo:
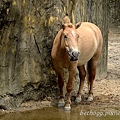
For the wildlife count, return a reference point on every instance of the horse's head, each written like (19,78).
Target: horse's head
(70,38)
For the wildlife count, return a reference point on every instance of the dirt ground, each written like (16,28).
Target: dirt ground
(106,91)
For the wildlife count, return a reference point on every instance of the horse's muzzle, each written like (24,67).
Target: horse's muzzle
(73,55)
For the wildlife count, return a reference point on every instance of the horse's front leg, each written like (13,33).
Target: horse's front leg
(69,88)
(59,72)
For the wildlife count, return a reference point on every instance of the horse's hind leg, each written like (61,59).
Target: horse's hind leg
(59,72)
(82,74)
(92,64)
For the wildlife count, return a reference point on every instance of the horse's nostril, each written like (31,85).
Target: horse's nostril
(75,54)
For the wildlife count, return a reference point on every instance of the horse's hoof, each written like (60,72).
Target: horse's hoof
(61,103)
(78,99)
(67,107)
(90,99)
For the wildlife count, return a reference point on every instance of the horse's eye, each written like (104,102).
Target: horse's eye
(65,37)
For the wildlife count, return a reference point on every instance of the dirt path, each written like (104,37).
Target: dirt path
(114,56)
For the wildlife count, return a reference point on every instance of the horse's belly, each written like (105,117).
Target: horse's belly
(87,51)
(86,56)
(84,60)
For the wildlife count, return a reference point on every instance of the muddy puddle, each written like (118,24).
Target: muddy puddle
(54,113)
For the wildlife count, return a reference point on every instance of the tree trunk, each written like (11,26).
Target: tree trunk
(114,16)
(27,31)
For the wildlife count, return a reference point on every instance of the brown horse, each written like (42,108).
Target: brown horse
(73,47)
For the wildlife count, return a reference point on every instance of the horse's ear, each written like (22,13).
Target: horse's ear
(77,25)
(66,19)
(63,26)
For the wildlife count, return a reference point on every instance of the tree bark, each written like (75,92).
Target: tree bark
(27,31)
(114,24)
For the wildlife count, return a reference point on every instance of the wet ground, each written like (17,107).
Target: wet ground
(53,113)
(106,104)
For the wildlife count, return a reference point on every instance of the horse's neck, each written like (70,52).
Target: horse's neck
(58,47)
(60,41)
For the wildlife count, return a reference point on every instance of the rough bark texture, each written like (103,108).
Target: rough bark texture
(27,30)
(114,23)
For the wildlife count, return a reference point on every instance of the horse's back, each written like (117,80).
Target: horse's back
(87,28)
(90,41)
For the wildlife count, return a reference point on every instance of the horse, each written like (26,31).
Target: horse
(73,47)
